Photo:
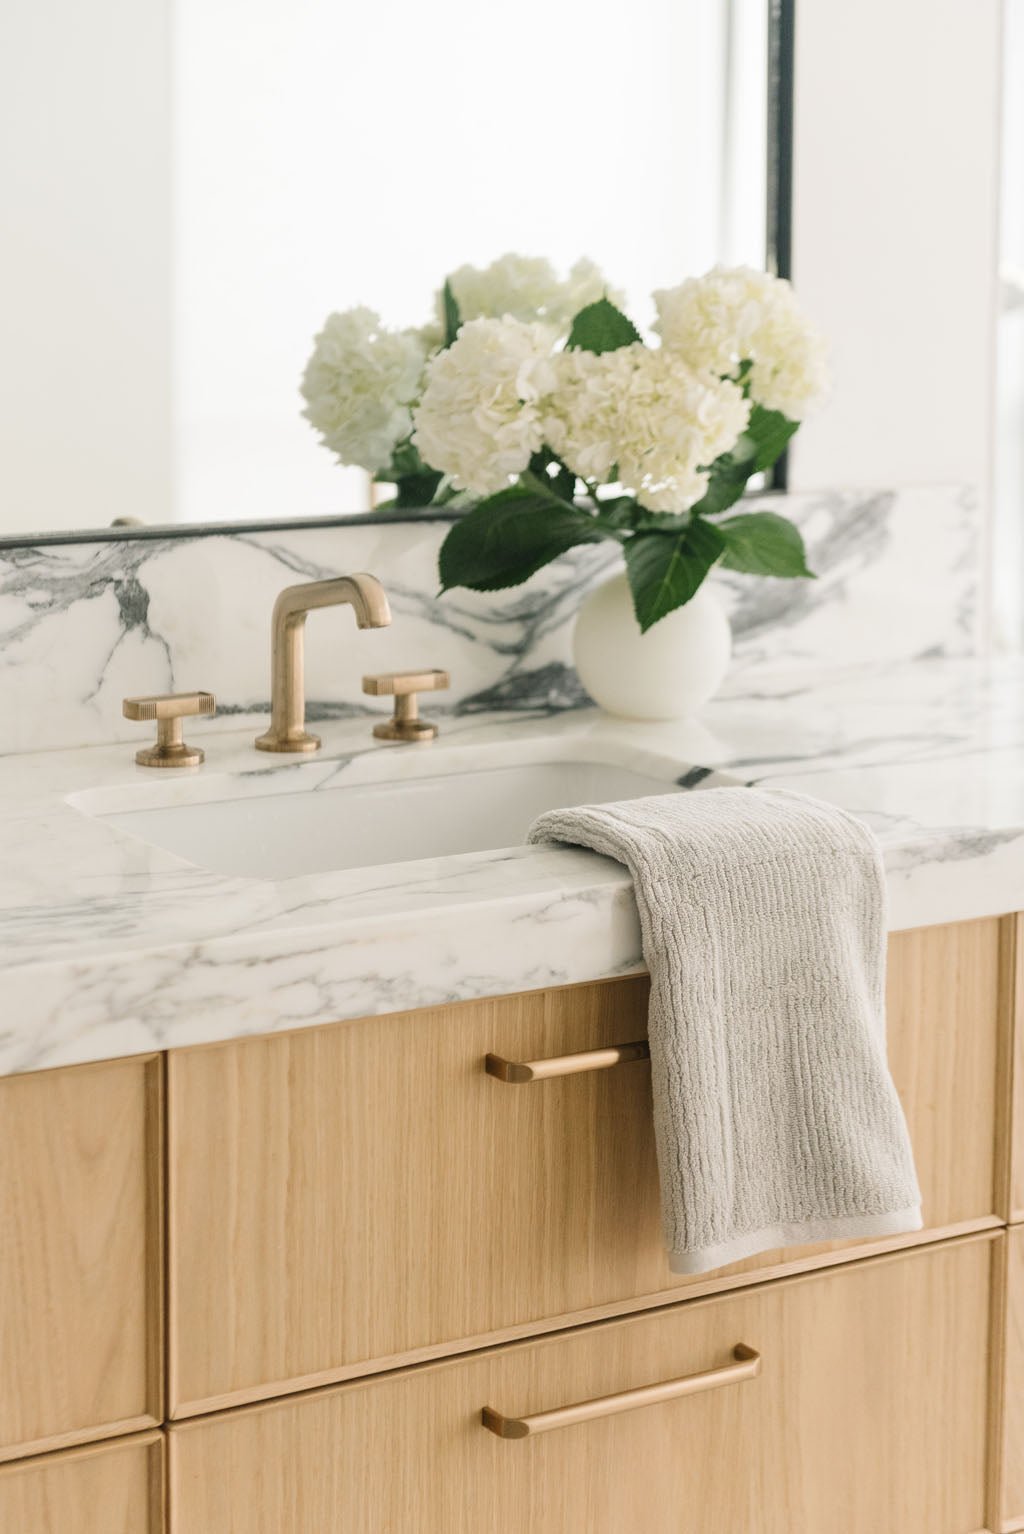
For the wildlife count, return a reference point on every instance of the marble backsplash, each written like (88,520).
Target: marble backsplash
(83,625)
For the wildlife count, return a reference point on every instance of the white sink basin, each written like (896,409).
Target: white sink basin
(335,825)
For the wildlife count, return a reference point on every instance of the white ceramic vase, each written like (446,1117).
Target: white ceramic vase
(666,673)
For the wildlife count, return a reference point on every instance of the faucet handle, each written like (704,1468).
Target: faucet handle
(404,687)
(169,709)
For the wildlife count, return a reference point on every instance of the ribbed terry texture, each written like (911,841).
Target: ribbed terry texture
(763,916)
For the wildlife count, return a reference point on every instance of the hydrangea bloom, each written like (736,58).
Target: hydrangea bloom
(480,419)
(527,288)
(736,314)
(359,386)
(645,418)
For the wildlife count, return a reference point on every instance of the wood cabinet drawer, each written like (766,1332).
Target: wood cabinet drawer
(80,1254)
(868,1417)
(109,1488)
(1008,1351)
(367,1192)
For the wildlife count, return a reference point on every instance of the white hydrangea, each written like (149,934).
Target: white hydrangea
(645,419)
(736,314)
(359,387)
(480,418)
(585,285)
(527,288)
(430,336)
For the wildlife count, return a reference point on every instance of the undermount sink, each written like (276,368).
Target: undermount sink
(337,825)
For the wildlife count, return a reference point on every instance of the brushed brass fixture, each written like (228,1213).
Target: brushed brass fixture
(169,709)
(405,723)
(365,595)
(746,1367)
(566,1065)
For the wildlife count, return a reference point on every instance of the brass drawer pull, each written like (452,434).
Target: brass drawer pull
(746,1367)
(566,1065)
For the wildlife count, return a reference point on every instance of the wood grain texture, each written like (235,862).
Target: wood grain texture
(110,1488)
(945,1017)
(80,1253)
(386,1199)
(868,1418)
(1015,1210)
(1007,1510)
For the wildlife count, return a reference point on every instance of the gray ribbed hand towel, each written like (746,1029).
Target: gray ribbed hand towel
(764,931)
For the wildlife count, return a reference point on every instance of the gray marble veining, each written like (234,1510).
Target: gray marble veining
(109,945)
(83,625)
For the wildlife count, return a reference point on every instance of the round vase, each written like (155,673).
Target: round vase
(666,673)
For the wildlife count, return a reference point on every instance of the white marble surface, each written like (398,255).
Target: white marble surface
(83,625)
(109,946)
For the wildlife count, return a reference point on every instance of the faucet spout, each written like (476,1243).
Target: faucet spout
(368,600)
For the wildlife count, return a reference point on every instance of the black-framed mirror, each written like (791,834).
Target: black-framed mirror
(183,206)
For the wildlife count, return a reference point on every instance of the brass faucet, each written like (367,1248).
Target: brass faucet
(366,596)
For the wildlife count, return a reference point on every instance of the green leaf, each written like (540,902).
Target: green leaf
(405,459)
(415,481)
(645,521)
(452,317)
(727,480)
(417,489)
(766,436)
(761,543)
(563,483)
(600,327)
(620,513)
(667,569)
(770,430)
(508,537)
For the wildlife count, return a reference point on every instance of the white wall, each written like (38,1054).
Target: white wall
(1008,498)
(84,263)
(894,240)
(326,157)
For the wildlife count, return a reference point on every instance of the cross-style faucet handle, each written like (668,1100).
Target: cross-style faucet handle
(405,687)
(169,709)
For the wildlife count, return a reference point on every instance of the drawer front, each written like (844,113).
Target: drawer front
(384,1195)
(1009,1354)
(80,1270)
(868,1417)
(112,1488)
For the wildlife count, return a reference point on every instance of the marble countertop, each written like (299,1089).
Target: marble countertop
(110,946)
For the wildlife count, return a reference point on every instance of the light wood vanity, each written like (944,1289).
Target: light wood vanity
(269,1287)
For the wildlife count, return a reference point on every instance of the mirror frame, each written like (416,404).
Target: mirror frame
(778,247)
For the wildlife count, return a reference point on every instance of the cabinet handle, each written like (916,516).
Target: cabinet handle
(566,1065)
(746,1367)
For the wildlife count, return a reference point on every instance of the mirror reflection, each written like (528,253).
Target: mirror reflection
(183,207)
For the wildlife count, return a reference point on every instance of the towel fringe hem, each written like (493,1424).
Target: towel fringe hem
(801,1233)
